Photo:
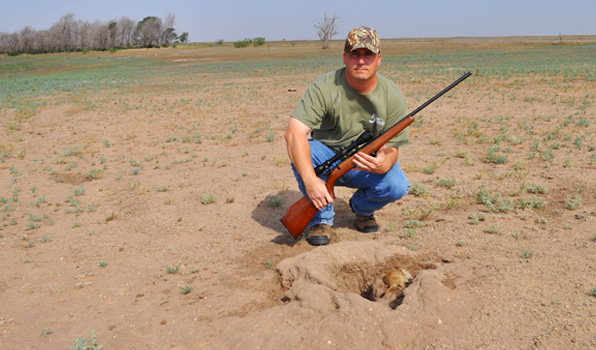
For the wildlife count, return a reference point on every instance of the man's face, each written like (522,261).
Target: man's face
(362,64)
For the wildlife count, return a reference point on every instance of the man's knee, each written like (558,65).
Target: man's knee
(395,187)
(398,189)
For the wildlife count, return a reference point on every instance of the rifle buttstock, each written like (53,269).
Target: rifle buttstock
(299,216)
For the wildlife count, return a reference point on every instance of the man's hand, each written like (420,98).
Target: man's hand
(380,164)
(317,193)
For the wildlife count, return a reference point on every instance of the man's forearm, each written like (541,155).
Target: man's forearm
(391,154)
(299,153)
(298,148)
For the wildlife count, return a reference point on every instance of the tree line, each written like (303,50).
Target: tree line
(69,34)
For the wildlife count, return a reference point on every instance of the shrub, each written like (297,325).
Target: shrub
(574,202)
(535,188)
(410,232)
(259,41)
(392,226)
(84,344)
(493,157)
(419,190)
(412,223)
(274,201)
(172,269)
(527,254)
(208,198)
(94,174)
(448,183)
(494,201)
(242,43)
(533,202)
(495,230)
(476,219)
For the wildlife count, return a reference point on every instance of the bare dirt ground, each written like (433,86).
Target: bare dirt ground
(178,244)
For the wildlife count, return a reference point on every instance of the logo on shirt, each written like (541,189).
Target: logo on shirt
(379,123)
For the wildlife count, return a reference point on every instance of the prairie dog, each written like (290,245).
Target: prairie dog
(397,279)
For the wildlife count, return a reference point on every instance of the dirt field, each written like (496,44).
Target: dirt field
(142,193)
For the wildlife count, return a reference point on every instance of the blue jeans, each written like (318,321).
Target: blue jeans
(374,190)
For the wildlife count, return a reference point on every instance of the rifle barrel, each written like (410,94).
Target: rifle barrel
(441,93)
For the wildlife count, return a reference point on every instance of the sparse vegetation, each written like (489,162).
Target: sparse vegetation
(274,201)
(186,289)
(418,189)
(538,189)
(94,174)
(413,223)
(167,156)
(420,213)
(574,202)
(172,269)
(476,219)
(409,232)
(258,41)
(495,158)
(494,201)
(391,227)
(86,344)
(495,230)
(527,254)
(447,183)
(208,198)
(533,202)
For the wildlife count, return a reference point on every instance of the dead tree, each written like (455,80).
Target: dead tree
(327,29)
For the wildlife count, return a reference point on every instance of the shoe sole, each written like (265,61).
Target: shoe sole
(318,240)
(368,229)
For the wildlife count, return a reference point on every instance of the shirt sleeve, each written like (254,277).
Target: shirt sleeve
(310,110)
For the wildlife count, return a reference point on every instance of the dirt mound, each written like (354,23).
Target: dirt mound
(327,301)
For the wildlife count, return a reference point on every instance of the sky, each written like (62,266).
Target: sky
(233,20)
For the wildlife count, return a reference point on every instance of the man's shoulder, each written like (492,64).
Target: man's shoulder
(390,87)
(332,78)
(387,82)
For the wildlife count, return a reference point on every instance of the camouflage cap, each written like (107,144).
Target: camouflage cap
(363,37)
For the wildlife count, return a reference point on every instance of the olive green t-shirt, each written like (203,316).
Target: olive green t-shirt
(338,113)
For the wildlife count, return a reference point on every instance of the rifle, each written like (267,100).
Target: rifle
(303,211)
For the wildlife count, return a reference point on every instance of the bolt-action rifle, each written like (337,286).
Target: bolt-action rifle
(303,211)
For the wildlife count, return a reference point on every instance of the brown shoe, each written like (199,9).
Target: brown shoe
(319,235)
(365,223)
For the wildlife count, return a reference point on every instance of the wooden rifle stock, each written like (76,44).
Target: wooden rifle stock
(303,211)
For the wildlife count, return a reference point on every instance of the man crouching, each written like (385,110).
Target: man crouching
(335,109)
